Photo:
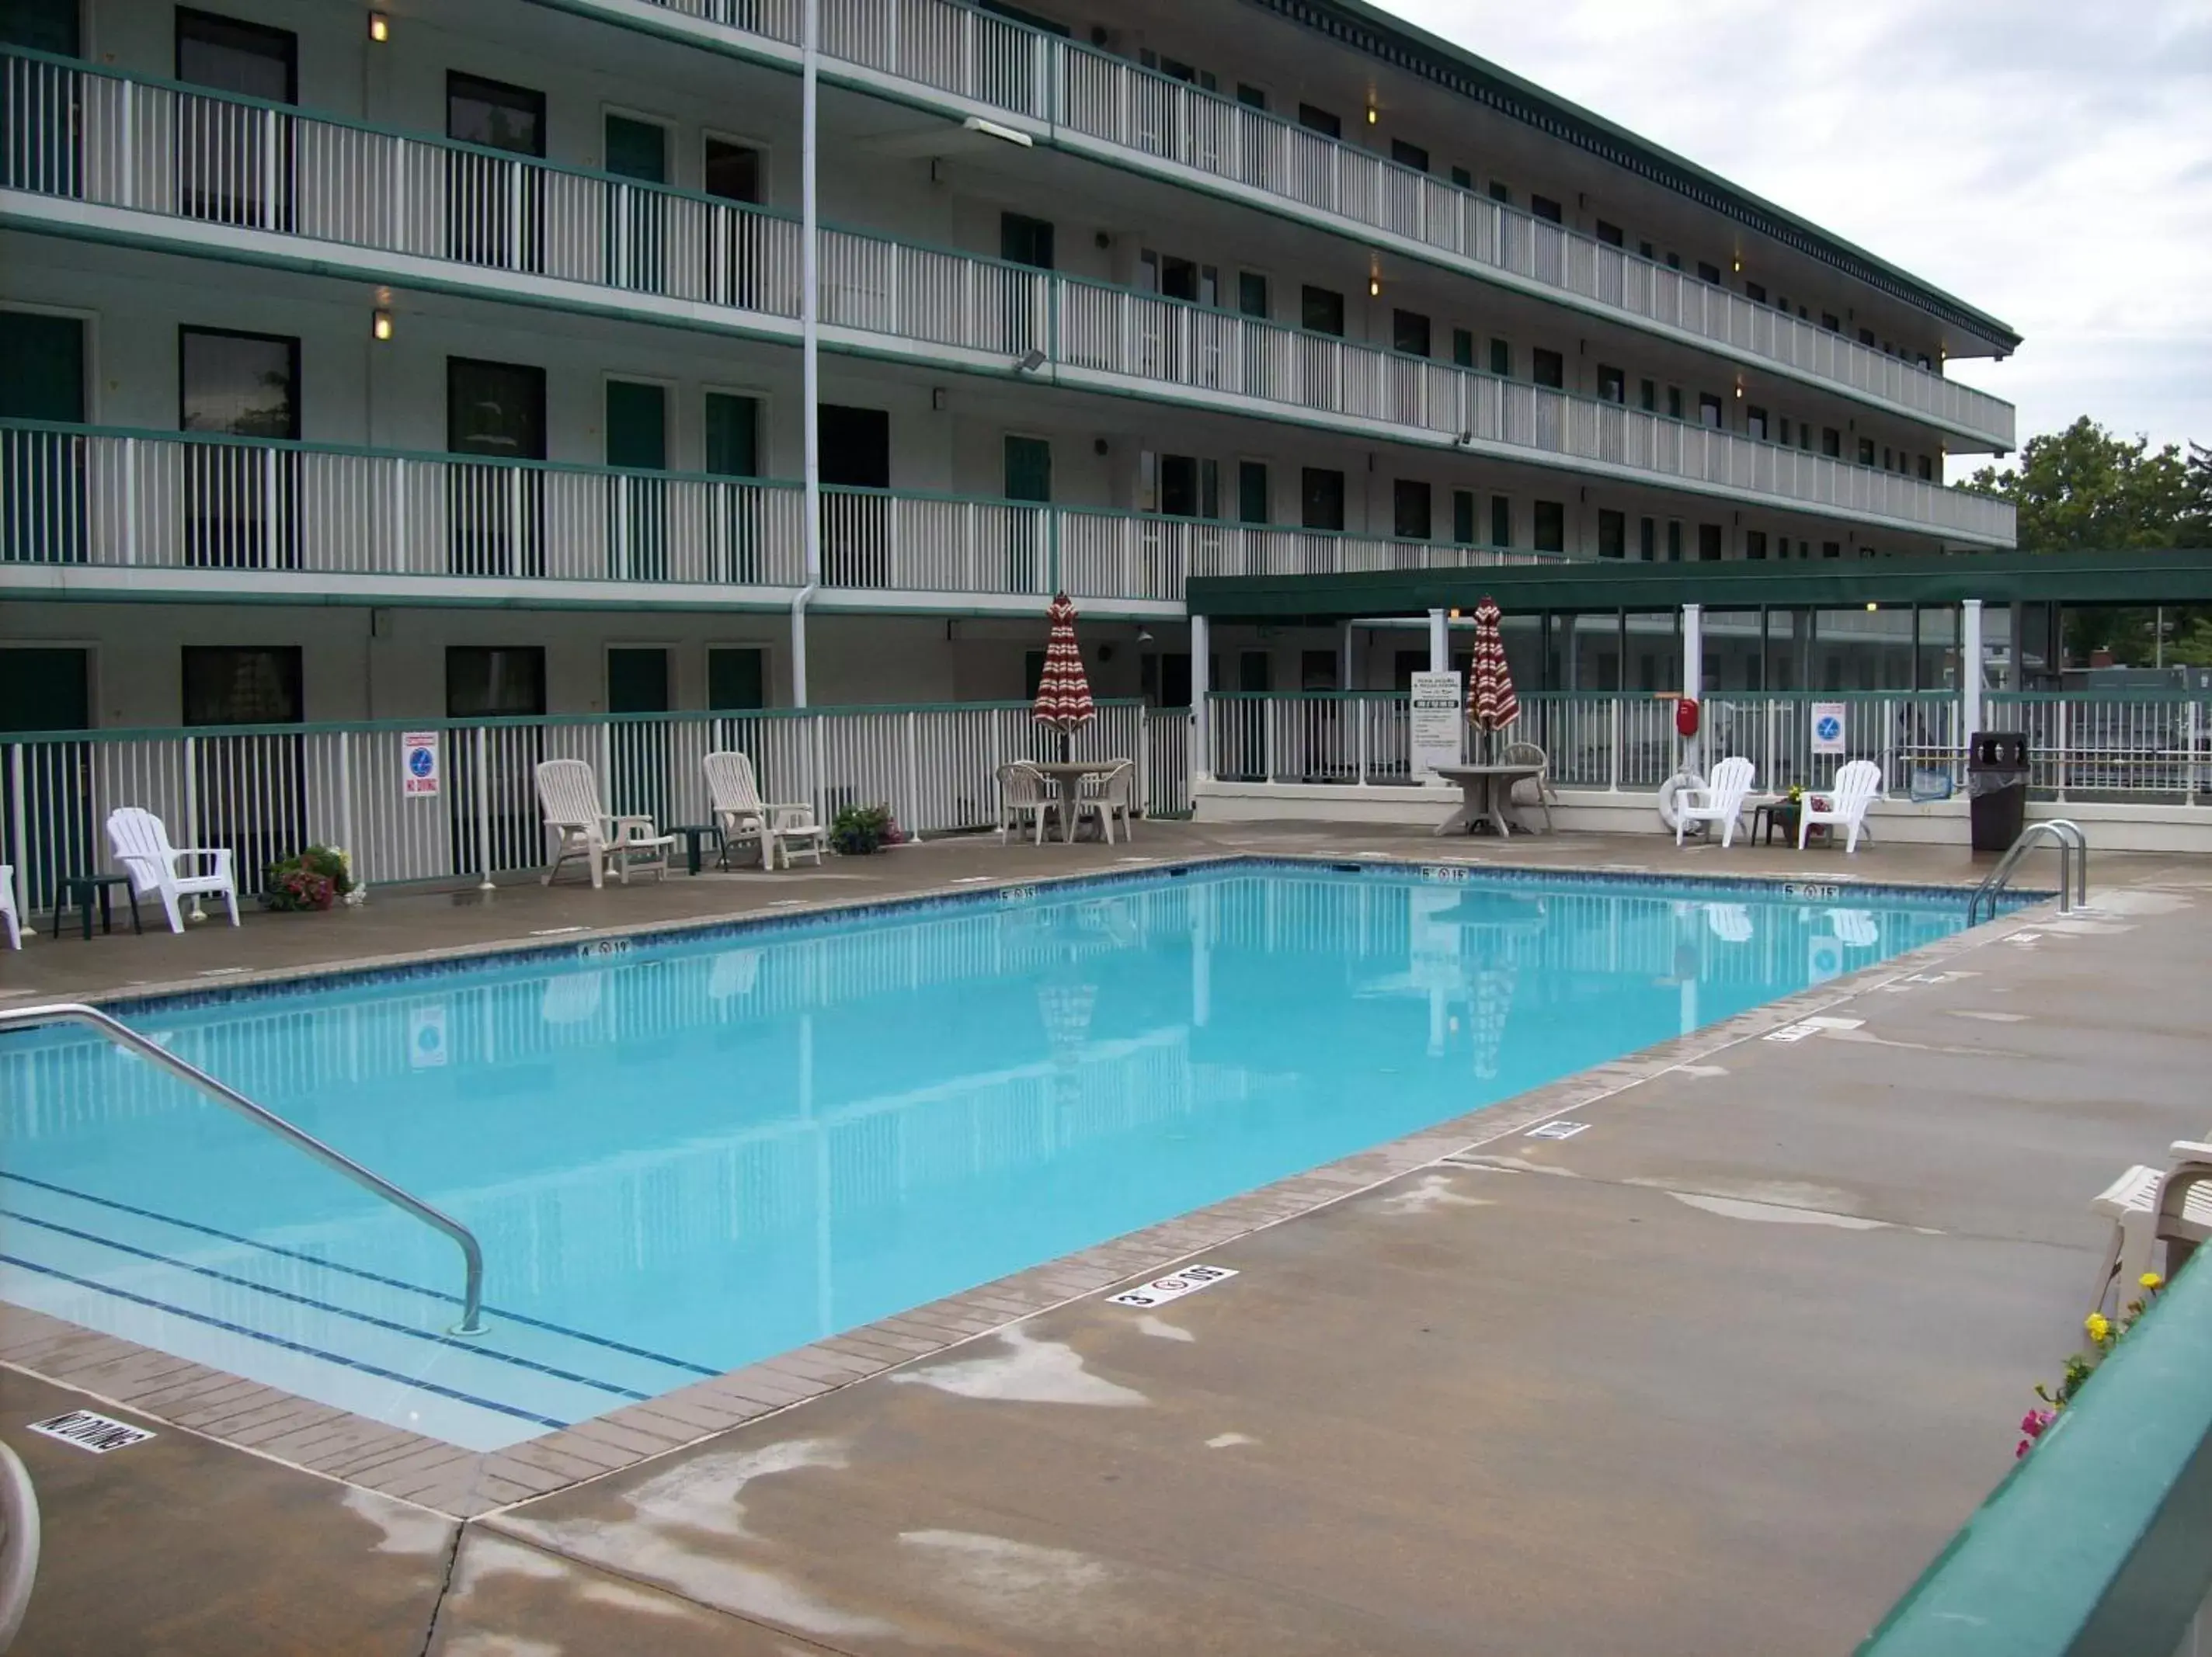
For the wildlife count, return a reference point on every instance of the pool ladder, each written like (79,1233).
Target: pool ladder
(2073,866)
(71,1012)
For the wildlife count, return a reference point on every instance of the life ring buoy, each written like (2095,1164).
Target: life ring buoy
(1669,793)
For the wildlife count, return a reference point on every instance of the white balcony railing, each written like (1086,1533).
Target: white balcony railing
(1183,132)
(187,502)
(90,136)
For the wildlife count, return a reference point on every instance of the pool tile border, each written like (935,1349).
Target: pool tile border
(267,1421)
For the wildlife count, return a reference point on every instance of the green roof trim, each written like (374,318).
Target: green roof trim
(2129,577)
(1377,32)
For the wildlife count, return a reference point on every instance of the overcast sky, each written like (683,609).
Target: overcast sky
(2049,162)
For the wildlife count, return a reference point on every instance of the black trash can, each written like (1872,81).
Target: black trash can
(1996,787)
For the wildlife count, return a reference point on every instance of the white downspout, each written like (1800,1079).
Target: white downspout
(809,350)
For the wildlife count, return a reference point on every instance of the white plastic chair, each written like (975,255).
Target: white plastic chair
(1729,922)
(8,916)
(1021,797)
(2178,1201)
(140,845)
(1719,801)
(781,826)
(1540,790)
(1106,793)
(1856,783)
(568,795)
(1855,928)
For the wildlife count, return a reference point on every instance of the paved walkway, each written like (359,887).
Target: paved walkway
(1716,1375)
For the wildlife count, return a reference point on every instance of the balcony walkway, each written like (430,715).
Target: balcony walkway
(1723,1382)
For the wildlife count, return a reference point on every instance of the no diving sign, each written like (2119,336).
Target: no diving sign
(96,1433)
(1174,1286)
(418,762)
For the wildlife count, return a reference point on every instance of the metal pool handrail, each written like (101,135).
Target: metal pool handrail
(2071,842)
(70,1012)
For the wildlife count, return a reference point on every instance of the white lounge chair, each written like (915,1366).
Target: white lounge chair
(781,826)
(1855,928)
(1106,793)
(1535,790)
(8,916)
(568,794)
(1729,922)
(1720,801)
(1856,783)
(140,845)
(1022,799)
(2178,1202)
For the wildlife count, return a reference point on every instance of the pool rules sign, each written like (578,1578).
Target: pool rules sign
(418,762)
(1434,728)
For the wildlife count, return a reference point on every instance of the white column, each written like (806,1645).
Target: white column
(1969,668)
(1693,673)
(1439,641)
(809,352)
(1201,715)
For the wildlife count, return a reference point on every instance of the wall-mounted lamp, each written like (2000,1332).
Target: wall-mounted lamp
(1872,607)
(379,27)
(1739,392)
(1738,262)
(1373,115)
(1144,634)
(380,325)
(1375,287)
(937,398)
(976,124)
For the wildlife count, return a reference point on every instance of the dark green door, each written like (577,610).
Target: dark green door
(1251,491)
(637,440)
(43,472)
(733,450)
(637,685)
(1029,478)
(496,409)
(636,219)
(47,689)
(737,679)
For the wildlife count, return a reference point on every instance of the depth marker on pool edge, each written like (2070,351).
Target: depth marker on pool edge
(1173,1287)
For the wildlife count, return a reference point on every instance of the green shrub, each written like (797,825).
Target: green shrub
(315,879)
(859,829)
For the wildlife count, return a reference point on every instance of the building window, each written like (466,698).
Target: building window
(1673,260)
(1251,293)
(1463,517)
(1755,293)
(1026,240)
(1647,396)
(494,115)
(1709,543)
(1832,321)
(1754,423)
(1501,192)
(1409,509)
(1549,368)
(1927,469)
(1673,402)
(242,684)
(1755,544)
(1647,539)
(1646,251)
(1612,534)
(1321,310)
(1551,527)
(1412,156)
(1612,383)
(1785,431)
(1832,443)
(1462,178)
(733,172)
(1674,540)
(1463,347)
(1501,521)
(1545,207)
(1252,506)
(1866,451)
(1832,549)
(1709,409)
(1250,96)
(1316,119)
(1866,337)
(495,682)
(737,677)
(1321,498)
(1610,235)
(1409,333)
(1501,359)
(1711,273)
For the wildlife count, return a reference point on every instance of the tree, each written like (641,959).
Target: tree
(2085,489)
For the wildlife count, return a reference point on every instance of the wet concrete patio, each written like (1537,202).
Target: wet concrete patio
(1717,1373)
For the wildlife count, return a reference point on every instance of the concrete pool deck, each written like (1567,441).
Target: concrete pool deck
(1716,1375)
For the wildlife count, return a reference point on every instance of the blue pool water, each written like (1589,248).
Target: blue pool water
(695,1154)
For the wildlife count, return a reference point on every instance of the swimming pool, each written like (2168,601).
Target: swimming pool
(685,1155)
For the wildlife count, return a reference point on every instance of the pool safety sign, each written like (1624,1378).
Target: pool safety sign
(1437,720)
(418,762)
(1173,1287)
(1827,727)
(426,1036)
(96,1433)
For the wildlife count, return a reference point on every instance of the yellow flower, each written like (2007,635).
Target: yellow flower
(2151,1280)
(2099,1325)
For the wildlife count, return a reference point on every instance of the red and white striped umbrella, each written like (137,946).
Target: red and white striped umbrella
(1491,703)
(1063,698)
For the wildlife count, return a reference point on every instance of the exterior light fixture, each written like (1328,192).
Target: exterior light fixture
(380,325)
(1373,115)
(992,130)
(379,27)
(1739,392)
(1375,287)
(1739,262)
(1144,634)
(1872,607)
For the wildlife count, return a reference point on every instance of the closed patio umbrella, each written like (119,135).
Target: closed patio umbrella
(1063,698)
(1491,704)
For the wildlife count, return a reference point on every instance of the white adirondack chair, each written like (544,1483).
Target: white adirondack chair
(1105,795)
(1729,922)
(1720,801)
(568,795)
(8,916)
(140,845)
(1022,799)
(781,826)
(1856,783)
